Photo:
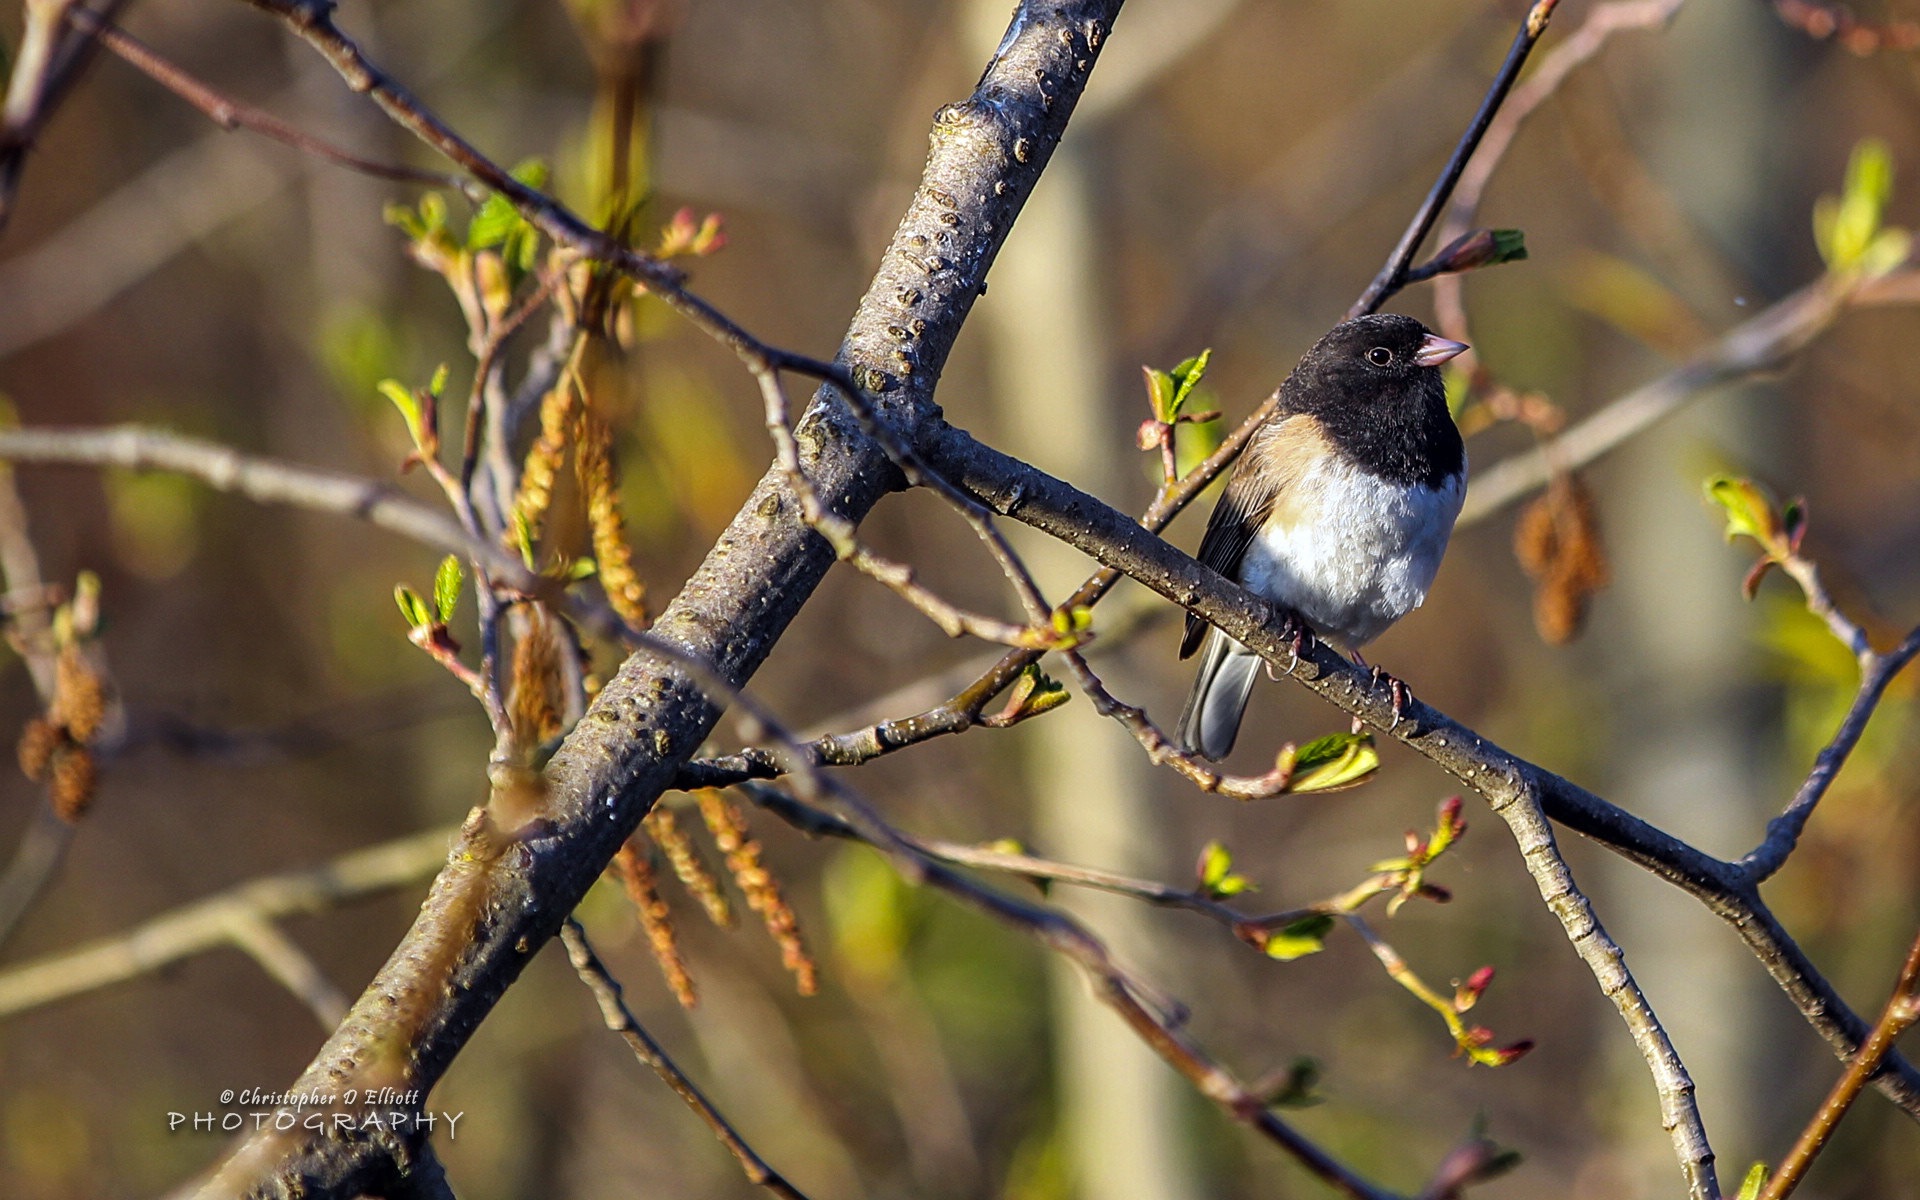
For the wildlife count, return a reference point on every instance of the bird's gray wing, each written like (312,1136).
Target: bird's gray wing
(1242,510)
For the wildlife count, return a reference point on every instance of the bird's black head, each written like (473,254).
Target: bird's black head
(1374,383)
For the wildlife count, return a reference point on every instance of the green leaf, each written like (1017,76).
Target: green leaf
(1160,389)
(1034,692)
(1338,760)
(1755,1180)
(412,607)
(1215,870)
(1846,228)
(1297,1089)
(1749,509)
(1889,248)
(523,537)
(1509,245)
(498,219)
(1215,863)
(1186,377)
(1073,626)
(408,404)
(446,587)
(425,222)
(1306,936)
(438,384)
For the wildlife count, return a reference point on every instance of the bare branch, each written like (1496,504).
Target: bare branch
(47,63)
(1759,344)
(1679,1114)
(620,1019)
(1117,541)
(231,114)
(1783,832)
(1901,1014)
(1393,276)
(225,917)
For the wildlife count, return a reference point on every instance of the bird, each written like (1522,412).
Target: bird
(1339,510)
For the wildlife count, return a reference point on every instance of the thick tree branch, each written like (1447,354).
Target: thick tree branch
(490,912)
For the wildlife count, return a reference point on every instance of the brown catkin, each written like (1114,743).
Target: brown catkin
(735,840)
(636,877)
(534,696)
(600,481)
(70,782)
(689,867)
(544,457)
(79,697)
(38,741)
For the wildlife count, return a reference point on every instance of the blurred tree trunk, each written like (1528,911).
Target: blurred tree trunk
(1686,745)
(1091,790)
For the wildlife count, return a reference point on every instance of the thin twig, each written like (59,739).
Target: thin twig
(1901,1013)
(45,66)
(1162,750)
(1393,276)
(900,578)
(1783,832)
(231,114)
(620,1019)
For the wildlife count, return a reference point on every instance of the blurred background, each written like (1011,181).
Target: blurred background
(1236,174)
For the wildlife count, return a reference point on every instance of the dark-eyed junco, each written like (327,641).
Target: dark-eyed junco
(1339,509)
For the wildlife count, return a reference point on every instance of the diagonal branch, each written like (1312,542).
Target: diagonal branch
(451,968)
(1118,542)
(1761,343)
(1393,276)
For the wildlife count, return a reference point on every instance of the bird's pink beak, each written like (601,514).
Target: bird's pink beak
(1436,350)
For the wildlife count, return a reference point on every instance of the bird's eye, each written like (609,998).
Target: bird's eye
(1379,356)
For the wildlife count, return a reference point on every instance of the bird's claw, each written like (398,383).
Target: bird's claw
(1397,692)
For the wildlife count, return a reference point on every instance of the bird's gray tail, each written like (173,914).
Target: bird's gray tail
(1211,719)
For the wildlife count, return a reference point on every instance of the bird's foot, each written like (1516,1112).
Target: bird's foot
(1396,691)
(1293,627)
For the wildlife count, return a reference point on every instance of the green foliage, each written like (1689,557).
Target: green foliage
(1756,1179)
(424,224)
(1298,1087)
(1169,391)
(412,607)
(1338,760)
(1217,877)
(1306,936)
(1847,228)
(1033,693)
(1481,248)
(1752,512)
(446,587)
(499,224)
(1072,627)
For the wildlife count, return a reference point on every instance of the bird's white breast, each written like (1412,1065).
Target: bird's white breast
(1350,551)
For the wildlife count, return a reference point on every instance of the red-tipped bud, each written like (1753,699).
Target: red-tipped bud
(1467,994)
